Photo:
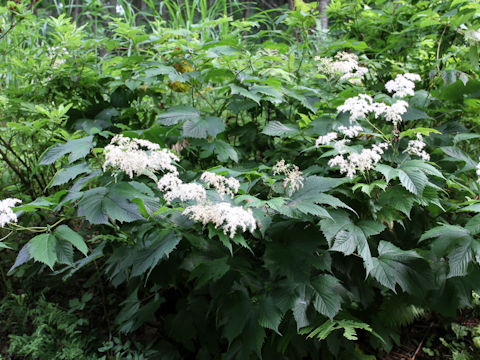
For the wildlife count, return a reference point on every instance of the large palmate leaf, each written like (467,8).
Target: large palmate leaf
(202,128)
(177,114)
(100,204)
(69,173)
(412,174)
(393,265)
(276,128)
(158,246)
(225,151)
(452,241)
(252,95)
(306,200)
(346,237)
(77,149)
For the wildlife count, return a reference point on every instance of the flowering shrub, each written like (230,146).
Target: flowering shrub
(283,194)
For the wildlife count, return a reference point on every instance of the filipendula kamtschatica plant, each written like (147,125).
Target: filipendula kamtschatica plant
(290,253)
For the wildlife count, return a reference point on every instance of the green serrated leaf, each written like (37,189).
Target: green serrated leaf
(98,204)
(327,300)
(391,267)
(43,248)
(65,233)
(202,128)
(276,128)
(177,114)
(77,149)
(65,175)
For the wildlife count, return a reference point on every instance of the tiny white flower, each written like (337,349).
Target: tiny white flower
(472,36)
(6,213)
(358,106)
(350,131)
(222,184)
(344,64)
(363,161)
(340,146)
(402,85)
(186,192)
(326,139)
(293,176)
(416,147)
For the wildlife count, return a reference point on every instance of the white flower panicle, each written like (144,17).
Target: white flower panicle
(350,131)
(478,172)
(358,106)
(416,147)
(221,184)
(402,85)
(186,192)
(340,146)
(223,214)
(344,64)
(363,161)
(362,105)
(168,182)
(134,156)
(392,113)
(293,176)
(472,36)
(175,188)
(326,139)
(6,213)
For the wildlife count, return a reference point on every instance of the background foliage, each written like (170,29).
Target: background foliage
(334,269)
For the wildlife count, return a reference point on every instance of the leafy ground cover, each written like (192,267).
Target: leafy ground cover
(238,188)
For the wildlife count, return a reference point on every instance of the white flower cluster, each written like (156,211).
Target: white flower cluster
(293,176)
(223,214)
(326,139)
(363,104)
(135,156)
(416,147)
(403,85)
(478,171)
(358,106)
(350,131)
(365,160)
(344,64)
(222,184)
(175,188)
(392,113)
(6,214)
(472,36)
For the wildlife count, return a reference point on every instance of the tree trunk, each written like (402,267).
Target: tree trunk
(322,7)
